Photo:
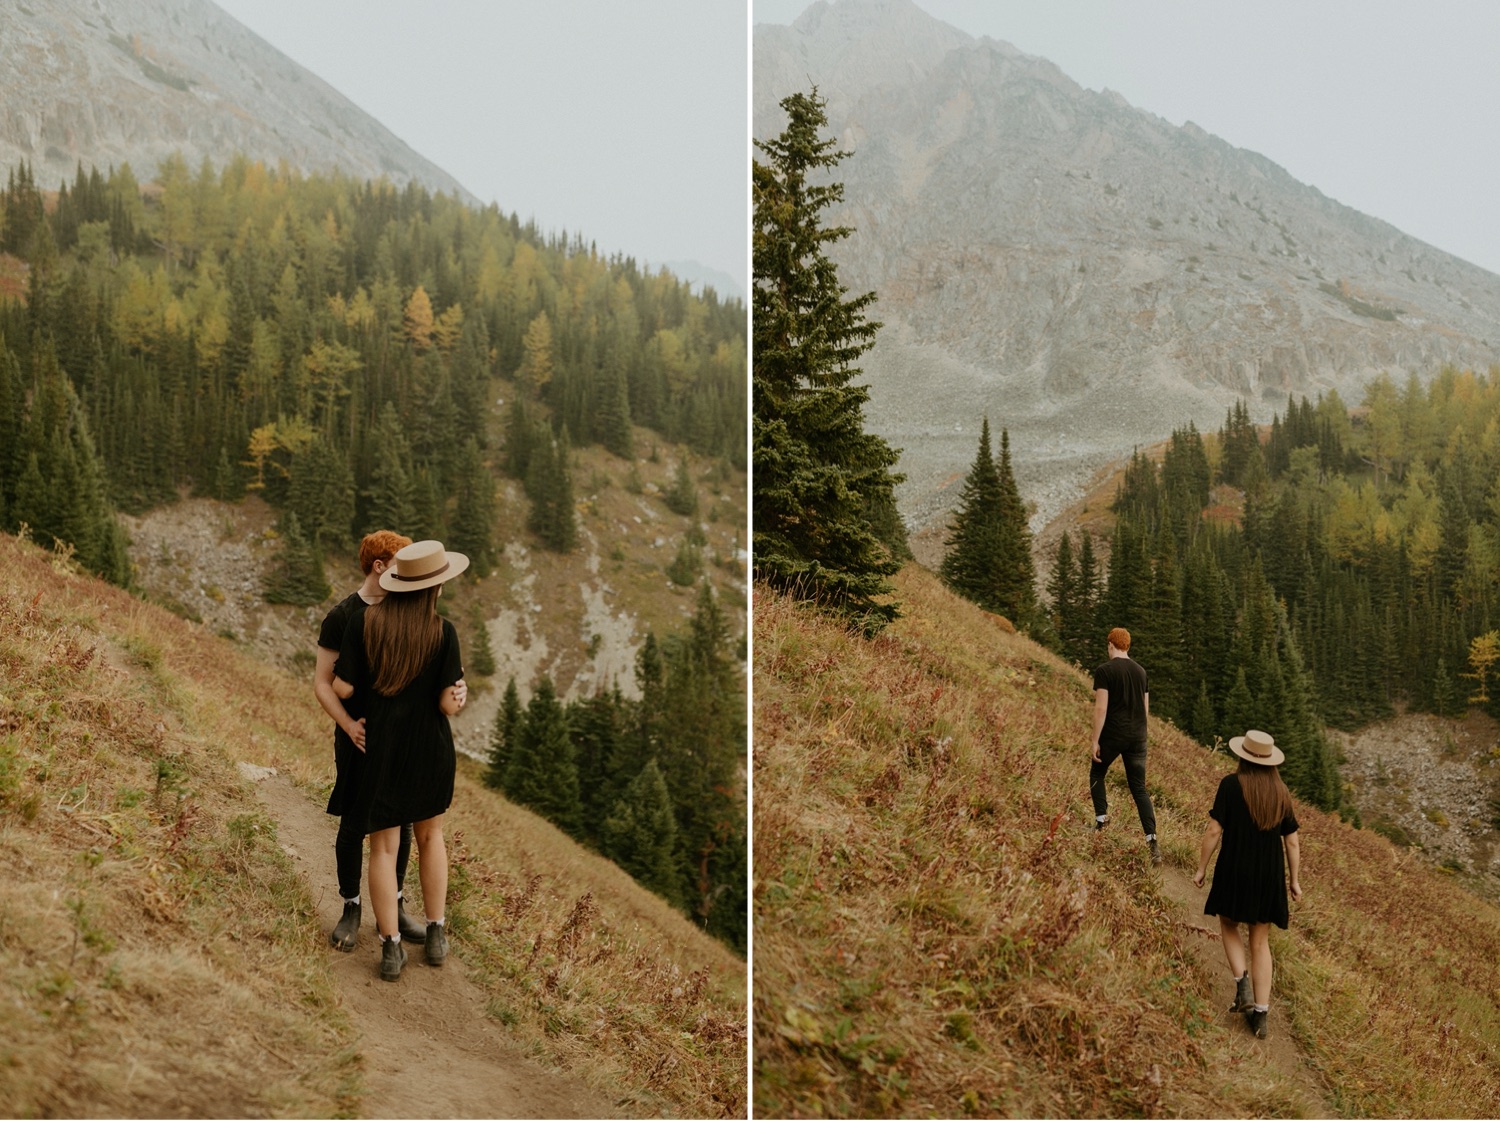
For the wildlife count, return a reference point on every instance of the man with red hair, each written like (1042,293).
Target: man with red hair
(1122,704)
(375,556)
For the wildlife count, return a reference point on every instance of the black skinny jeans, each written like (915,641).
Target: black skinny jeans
(349,852)
(1134,756)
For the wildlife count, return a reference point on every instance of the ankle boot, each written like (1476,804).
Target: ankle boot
(1244,998)
(437,943)
(346,933)
(411,930)
(1256,1021)
(392,958)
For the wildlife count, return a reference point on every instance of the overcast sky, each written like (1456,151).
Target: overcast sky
(1388,106)
(625,122)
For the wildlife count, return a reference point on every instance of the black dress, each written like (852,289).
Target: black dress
(409,762)
(1250,876)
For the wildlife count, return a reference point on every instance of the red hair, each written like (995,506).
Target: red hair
(381,545)
(1119,638)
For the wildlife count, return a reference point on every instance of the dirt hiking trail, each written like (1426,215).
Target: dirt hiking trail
(1279,1051)
(429,1049)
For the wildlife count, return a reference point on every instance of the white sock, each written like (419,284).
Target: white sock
(1260,1007)
(393,938)
(1101,817)
(438,921)
(355,901)
(1150,836)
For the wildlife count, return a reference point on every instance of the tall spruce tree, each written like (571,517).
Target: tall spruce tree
(817,472)
(296,576)
(972,550)
(541,772)
(640,834)
(1015,575)
(504,736)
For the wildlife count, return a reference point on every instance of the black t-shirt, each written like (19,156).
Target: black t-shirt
(348,611)
(1125,719)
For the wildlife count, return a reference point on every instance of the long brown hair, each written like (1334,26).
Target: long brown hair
(1265,794)
(402,633)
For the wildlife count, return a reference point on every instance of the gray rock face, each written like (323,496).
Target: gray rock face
(1088,274)
(116,81)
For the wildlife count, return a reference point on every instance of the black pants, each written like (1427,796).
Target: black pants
(1134,756)
(349,852)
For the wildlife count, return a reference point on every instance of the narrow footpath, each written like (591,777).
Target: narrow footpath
(429,1049)
(1279,1050)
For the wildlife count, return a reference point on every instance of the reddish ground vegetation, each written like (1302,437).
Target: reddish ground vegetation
(939,930)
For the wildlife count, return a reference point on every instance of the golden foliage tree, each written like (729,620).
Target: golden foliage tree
(536,366)
(417,320)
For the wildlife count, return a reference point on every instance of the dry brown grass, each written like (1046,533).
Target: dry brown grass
(164,957)
(160,955)
(939,931)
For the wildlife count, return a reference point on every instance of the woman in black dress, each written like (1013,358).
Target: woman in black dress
(404,662)
(1253,816)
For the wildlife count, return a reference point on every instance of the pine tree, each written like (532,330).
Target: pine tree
(1015,582)
(481,659)
(296,576)
(541,772)
(321,494)
(1083,638)
(1062,588)
(472,528)
(504,736)
(816,470)
(596,725)
(972,549)
(391,491)
(682,496)
(640,834)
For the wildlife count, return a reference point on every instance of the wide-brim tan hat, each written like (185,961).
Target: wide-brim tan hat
(422,564)
(1257,747)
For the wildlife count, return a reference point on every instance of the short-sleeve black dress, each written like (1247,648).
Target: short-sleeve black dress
(409,762)
(1250,876)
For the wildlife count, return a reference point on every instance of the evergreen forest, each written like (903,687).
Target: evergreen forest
(328,343)
(333,346)
(1323,573)
(654,784)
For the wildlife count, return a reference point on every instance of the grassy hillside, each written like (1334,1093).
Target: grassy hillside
(161,957)
(940,931)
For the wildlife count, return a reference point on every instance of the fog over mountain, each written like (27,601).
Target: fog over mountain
(115,81)
(1083,271)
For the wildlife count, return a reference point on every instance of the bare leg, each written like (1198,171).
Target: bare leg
(383,845)
(1234,948)
(432,855)
(1260,961)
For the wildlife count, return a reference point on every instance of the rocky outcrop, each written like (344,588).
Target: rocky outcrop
(115,81)
(1088,274)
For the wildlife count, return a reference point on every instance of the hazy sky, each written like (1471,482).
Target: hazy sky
(625,122)
(1388,106)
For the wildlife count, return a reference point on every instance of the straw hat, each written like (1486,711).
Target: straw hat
(422,564)
(1256,747)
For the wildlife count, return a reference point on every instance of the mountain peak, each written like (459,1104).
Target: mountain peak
(136,80)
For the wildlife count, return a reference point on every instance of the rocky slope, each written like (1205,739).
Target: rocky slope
(136,80)
(1433,784)
(1083,271)
(579,618)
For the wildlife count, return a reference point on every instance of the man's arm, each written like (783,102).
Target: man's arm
(1210,842)
(1101,710)
(1293,842)
(323,690)
(1146,706)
